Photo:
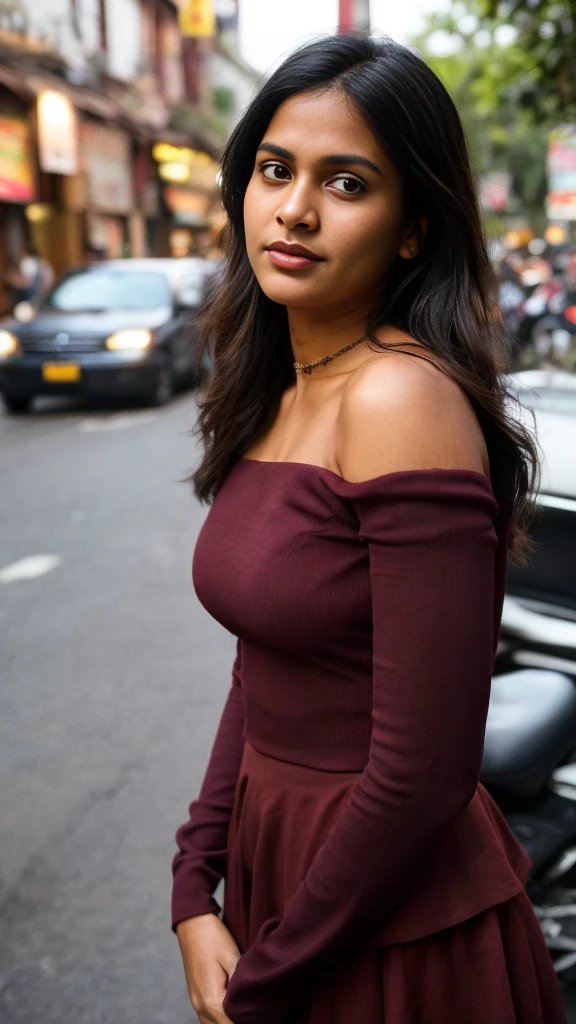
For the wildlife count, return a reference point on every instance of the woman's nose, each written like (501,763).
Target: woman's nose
(297,209)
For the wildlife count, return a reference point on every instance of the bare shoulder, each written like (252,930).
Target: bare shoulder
(399,412)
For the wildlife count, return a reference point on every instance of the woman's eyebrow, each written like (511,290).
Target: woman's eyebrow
(350,158)
(271,147)
(333,160)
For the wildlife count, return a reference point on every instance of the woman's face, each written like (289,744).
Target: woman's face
(322,181)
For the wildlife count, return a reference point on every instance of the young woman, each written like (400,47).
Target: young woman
(367,482)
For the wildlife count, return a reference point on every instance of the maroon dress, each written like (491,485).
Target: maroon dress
(370,878)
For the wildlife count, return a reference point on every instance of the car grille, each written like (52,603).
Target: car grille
(47,343)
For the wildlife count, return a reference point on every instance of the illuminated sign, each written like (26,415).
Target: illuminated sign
(181,165)
(174,172)
(16,174)
(57,133)
(164,152)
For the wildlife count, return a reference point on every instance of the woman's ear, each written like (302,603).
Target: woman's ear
(413,239)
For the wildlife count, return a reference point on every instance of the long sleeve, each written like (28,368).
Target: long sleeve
(200,863)
(431,544)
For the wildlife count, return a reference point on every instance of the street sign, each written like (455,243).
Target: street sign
(561,201)
(197,18)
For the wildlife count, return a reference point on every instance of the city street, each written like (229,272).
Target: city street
(113,678)
(143,208)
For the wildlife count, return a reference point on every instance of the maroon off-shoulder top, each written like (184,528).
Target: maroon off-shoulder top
(367,616)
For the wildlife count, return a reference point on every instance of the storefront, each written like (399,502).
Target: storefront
(17,189)
(191,196)
(73,181)
(106,160)
(147,236)
(189,208)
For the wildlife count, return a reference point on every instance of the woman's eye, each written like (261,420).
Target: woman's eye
(351,186)
(275,172)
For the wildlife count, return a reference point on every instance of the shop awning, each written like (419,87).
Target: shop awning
(28,85)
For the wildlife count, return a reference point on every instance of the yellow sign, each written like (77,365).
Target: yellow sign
(197,18)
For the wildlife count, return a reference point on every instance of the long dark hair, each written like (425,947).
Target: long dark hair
(444,298)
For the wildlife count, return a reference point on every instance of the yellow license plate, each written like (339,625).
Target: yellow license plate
(57,373)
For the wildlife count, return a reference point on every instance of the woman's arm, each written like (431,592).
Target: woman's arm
(200,863)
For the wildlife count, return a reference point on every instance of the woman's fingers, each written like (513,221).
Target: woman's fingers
(212,1012)
(207,999)
(210,955)
(207,991)
(213,1015)
(228,960)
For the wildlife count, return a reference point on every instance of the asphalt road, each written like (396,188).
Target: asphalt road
(113,678)
(112,681)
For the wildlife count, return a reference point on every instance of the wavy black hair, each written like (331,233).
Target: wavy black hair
(444,298)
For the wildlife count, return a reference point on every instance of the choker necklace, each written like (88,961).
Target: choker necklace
(308,367)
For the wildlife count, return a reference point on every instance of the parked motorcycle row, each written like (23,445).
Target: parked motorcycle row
(530,751)
(538,304)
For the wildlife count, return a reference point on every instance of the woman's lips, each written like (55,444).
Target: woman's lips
(289,262)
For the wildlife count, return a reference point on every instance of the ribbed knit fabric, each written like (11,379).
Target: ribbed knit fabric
(368,617)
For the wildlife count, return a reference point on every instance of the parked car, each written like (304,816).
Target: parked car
(540,607)
(114,329)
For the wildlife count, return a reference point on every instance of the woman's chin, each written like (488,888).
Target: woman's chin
(295,294)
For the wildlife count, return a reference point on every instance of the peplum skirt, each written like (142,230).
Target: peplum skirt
(492,968)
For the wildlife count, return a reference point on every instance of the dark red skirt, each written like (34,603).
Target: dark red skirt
(491,969)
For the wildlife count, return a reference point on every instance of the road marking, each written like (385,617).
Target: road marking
(29,568)
(116,422)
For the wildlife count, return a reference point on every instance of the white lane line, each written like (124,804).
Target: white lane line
(29,568)
(117,422)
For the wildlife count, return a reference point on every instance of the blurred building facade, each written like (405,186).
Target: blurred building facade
(113,114)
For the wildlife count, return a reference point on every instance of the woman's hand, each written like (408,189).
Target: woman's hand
(210,956)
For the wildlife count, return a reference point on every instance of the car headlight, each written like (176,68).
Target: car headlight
(136,338)
(9,344)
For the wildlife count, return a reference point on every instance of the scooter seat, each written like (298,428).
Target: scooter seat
(531,728)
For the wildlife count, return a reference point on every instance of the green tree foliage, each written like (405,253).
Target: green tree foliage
(547,34)
(490,78)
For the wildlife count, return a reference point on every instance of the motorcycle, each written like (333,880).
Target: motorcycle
(533,308)
(553,335)
(529,762)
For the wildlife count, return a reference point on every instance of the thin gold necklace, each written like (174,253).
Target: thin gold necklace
(308,367)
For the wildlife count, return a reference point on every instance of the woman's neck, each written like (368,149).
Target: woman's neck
(315,333)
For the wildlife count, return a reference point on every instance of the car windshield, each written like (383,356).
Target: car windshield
(108,289)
